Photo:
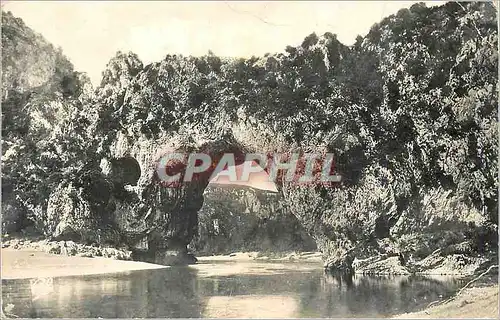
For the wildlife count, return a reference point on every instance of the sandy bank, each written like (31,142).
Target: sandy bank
(255,263)
(22,264)
(471,303)
(206,269)
(258,256)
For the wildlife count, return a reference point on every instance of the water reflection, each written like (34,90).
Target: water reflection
(364,296)
(184,292)
(251,306)
(41,287)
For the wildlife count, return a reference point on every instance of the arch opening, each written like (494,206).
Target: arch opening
(125,171)
(259,179)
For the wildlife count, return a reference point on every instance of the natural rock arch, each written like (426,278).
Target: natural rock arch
(168,216)
(320,96)
(188,104)
(125,171)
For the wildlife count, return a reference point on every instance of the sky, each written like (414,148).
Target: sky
(259,180)
(91,32)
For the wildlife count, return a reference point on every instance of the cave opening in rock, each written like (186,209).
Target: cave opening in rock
(247,216)
(125,171)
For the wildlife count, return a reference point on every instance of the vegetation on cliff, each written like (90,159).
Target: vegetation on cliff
(409,112)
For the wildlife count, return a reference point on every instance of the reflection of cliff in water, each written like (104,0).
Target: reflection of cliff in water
(320,294)
(182,292)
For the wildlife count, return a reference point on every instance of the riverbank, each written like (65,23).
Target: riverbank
(458,265)
(22,263)
(65,248)
(26,263)
(37,260)
(479,302)
(31,257)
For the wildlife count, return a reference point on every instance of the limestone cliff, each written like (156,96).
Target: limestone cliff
(37,81)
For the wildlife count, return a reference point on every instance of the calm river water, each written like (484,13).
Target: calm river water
(223,289)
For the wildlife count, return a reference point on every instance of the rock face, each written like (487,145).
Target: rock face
(409,113)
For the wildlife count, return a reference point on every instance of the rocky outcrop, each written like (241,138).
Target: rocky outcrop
(74,214)
(380,265)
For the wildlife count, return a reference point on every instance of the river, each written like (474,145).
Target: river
(223,289)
